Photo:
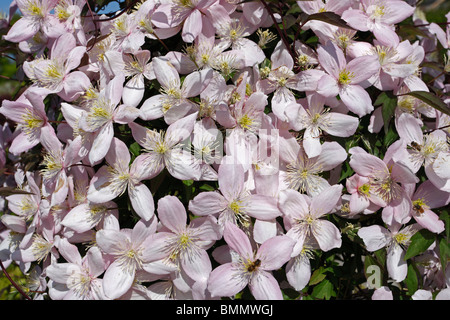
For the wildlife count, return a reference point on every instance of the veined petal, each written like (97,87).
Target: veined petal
(238,240)
(298,273)
(262,207)
(356,99)
(275,252)
(207,203)
(375,237)
(172,214)
(264,286)
(116,281)
(226,281)
(102,143)
(142,200)
(396,264)
(327,234)
(326,201)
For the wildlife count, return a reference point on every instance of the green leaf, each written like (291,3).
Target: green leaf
(431,99)
(444,252)
(445,216)
(420,242)
(389,103)
(324,290)
(411,279)
(317,276)
(135,148)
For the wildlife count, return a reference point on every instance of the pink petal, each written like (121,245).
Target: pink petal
(116,281)
(231,180)
(326,201)
(142,200)
(172,213)
(375,237)
(196,82)
(262,207)
(275,252)
(238,240)
(327,234)
(225,281)
(265,287)
(356,99)
(207,203)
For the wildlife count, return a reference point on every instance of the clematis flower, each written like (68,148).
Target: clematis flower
(56,163)
(387,181)
(28,111)
(315,118)
(185,245)
(281,80)
(302,216)
(425,198)
(191,14)
(164,149)
(361,197)
(303,173)
(173,103)
(379,16)
(36,17)
(76,279)
(344,78)
(55,75)
(250,268)
(137,68)
(234,203)
(420,149)
(396,239)
(103,112)
(130,252)
(113,179)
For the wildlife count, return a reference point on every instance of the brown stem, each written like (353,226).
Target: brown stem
(283,38)
(13,282)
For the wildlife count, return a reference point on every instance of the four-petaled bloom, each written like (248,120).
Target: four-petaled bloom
(250,268)
(346,79)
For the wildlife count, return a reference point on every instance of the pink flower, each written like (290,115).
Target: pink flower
(396,239)
(302,216)
(130,251)
(57,162)
(191,13)
(173,103)
(250,268)
(54,75)
(234,203)
(425,198)
(343,78)
(28,111)
(379,17)
(164,149)
(185,245)
(113,179)
(103,112)
(36,17)
(387,182)
(361,199)
(303,173)
(76,279)
(315,118)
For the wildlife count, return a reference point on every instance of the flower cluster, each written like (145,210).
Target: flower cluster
(205,149)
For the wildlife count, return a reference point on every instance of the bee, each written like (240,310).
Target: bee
(417,207)
(254,265)
(416,146)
